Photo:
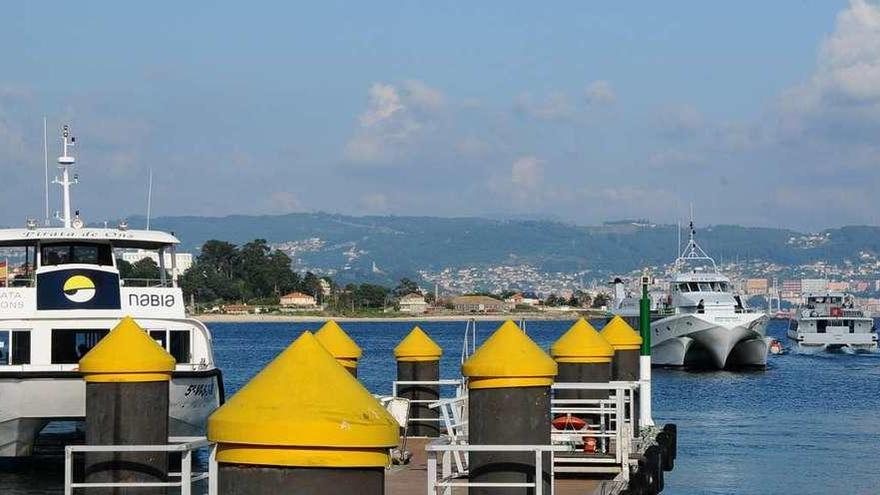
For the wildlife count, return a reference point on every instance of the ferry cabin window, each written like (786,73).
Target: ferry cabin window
(820,326)
(70,345)
(15,347)
(705,287)
(177,343)
(693,286)
(683,287)
(77,252)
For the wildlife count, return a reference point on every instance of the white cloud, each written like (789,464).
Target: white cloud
(395,120)
(527,172)
(600,93)
(843,94)
(555,106)
(680,121)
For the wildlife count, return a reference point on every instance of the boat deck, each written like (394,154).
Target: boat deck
(412,479)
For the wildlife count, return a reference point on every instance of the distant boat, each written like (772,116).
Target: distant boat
(699,321)
(830,321)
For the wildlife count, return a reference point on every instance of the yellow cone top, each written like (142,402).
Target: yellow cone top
(417,346)
(127,354)
(620,335)
(582,344)
(509,358)
(339,344)
(303,409)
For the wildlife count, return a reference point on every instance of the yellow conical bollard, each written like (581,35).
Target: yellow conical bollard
(303,425)
(583,356)
(418,360)
(127,375)
(509,380)
(339,345)
(627,344)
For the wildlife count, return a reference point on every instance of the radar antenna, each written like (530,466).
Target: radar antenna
(65,161)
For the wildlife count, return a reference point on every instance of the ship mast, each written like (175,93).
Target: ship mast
(64,163)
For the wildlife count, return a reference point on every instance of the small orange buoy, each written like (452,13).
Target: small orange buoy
(569,422)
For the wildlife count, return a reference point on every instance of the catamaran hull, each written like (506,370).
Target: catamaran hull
(707,341)
(833,341)
(33,399)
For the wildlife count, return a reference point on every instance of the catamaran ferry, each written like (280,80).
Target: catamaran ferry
(830,321)
(65,295)
(699,321)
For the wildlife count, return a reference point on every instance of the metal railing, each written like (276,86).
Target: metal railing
(396,385)
(185,478)
(450,477)
(613,422)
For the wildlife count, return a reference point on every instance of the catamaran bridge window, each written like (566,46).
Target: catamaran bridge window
(703,287)
(76,252)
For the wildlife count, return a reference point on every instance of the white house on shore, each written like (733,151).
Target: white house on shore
(413,304)
(298,300)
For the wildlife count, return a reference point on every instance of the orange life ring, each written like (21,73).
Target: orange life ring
(569,422)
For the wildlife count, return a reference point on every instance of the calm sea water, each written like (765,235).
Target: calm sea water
(806,425)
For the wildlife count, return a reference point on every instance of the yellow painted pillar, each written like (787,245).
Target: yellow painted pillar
(509,380)
(339,345)
(418,359)
(303,425)
(127,375)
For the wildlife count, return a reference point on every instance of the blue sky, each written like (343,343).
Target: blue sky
(759,113)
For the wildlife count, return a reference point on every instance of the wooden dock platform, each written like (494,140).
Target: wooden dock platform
(412,478)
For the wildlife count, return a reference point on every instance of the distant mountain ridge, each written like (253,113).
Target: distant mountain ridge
(388,247)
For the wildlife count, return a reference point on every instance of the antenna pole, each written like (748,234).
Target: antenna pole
(149,198)
(46,166)
(64,163)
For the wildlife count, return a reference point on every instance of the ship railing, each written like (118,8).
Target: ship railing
(610,421)
(146,282)
(183,480)
(442,481)
(458,384)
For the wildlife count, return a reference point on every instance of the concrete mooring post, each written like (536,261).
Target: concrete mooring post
(303,425)
(418,359)
(509,380)
(127,375)
(583,356)
(342,347)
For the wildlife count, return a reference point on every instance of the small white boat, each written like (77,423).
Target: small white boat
(65,295)
(830,321)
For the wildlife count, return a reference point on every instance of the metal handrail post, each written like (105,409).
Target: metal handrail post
(68,471)
(539,471)
(213,471)
(186,473)
(432,473)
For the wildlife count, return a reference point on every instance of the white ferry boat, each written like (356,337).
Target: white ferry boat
(65,295)
(699,322)
(830,321)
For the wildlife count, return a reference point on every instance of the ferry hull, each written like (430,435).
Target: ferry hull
(837,341)
(707,341)
(31,400)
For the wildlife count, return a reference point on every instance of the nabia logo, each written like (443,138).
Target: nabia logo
(79,289)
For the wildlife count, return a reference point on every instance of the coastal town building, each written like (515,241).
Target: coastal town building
(814,285)
(298,300)
(478,304)
(756,286)
(413,304)
(521,299)
(237,309)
